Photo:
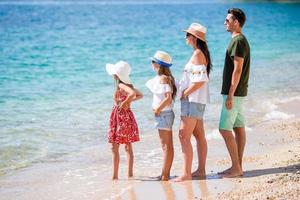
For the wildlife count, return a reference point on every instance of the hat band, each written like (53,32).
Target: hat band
(162,63)
(197,33)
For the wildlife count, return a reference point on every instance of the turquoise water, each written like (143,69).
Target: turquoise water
(55,95)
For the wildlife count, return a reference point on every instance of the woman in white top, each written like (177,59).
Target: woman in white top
(164,91)
(194,93)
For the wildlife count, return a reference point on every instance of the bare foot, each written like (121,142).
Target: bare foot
(130,175)
(115,178)
(183,178)
(233,174)
(225,171)
(164,178)
(197,173)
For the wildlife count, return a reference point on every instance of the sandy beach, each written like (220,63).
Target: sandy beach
(56,98)
(271,171)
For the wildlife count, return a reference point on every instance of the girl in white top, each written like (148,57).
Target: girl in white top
(164,91)
(194,92)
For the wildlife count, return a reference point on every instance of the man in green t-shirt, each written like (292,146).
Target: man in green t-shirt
(234,91)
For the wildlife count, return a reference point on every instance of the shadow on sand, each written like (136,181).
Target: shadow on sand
(277,170)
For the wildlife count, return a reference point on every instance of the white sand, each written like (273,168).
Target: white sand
(271,165)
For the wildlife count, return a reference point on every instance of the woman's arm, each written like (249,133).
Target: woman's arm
(197,58)
(191,89)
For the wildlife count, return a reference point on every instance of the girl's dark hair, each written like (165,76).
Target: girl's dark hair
(118,81)
(203,47)
(167,72)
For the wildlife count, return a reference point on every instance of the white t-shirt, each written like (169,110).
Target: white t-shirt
(159,91)
(192,74)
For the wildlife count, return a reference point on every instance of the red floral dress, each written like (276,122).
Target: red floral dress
(123,128)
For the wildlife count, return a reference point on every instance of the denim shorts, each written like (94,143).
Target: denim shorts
(192,109)
(165,120)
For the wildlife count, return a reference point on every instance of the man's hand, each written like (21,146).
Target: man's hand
(229,102)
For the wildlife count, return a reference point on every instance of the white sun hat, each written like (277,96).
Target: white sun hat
(197,30)
(122,69)
(162,58)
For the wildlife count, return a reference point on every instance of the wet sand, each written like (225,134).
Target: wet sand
(271,171)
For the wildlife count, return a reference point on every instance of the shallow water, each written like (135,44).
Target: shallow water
(55,95)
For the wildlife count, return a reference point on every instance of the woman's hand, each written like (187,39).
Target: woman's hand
(184,94)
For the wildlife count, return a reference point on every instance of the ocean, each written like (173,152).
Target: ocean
(56,97)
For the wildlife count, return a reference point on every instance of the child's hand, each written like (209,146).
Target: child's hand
(124,105)
(156,112)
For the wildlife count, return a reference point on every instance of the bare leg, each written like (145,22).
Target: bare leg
(233,151)
(199,135)
(187,126)
(128,149)
(240,138)
(168,153)
(116,160)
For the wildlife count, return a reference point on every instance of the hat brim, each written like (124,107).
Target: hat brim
(125,79)
(187,31)
(162,63)
(111,70)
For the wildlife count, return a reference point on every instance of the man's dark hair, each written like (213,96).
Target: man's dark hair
(238,14)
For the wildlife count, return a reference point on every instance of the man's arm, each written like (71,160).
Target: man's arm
(236,75)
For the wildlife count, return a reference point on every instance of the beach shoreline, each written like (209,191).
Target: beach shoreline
(271,170)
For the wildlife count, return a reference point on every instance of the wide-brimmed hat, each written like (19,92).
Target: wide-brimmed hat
(162,58)
(197,30)
(122,69)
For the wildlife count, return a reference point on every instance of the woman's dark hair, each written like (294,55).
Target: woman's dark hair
(203,47)
(238,14)
(167,72)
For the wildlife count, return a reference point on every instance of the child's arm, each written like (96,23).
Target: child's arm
(168,97)
(115,98)
(138,95)
(165,102)
(130,95)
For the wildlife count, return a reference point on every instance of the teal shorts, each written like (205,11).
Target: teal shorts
(234,117)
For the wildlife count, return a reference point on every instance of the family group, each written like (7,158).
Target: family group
(193,92)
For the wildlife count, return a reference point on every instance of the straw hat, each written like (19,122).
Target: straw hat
(197,30)
(122,69)
(162,58)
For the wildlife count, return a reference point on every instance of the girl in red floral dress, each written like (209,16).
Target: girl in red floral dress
(123,128)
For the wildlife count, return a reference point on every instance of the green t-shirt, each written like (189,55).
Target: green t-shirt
(238,46)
